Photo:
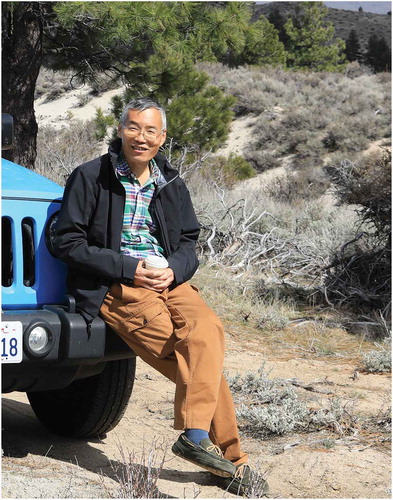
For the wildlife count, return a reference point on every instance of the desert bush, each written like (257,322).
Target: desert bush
(59,151)
(314,113)
(359,275)
(367,183)
(52,84)
(359,279)
(272,317)
(354,69)
(262,160)
(226,171)
(267,406)
(273,407)
(307,184)
(238,298)
(380,359)
(138,475)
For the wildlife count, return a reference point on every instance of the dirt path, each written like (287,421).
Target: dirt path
(37,464)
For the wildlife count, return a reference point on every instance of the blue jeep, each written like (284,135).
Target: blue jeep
(78,382)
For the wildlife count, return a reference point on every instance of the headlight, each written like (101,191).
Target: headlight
(38,339)
(50,229)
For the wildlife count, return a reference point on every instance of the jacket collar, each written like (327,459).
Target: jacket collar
(168,173)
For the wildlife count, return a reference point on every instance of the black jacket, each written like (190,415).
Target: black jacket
(88,231)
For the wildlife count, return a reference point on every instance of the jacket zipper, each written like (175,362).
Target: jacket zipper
(161,222)
(161,217)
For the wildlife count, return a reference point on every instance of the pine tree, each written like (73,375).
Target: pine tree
(278,20)
(146,45)
(378,54)
(352,47)
(198,114)
(262,45)
(311,46)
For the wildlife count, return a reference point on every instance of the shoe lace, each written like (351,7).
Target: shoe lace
(240,471)
(213,448)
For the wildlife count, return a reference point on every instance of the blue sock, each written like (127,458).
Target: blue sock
(196,435)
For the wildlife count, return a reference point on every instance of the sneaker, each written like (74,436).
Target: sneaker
(207,455)
(245,483)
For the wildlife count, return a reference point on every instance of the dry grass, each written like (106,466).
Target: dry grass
(60,151)
(138,475)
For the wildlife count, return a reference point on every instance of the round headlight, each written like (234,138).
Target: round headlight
(50,229)
(38,340)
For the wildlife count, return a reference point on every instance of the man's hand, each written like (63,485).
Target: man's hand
(153,279)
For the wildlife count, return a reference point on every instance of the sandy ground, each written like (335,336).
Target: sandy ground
(59,111)
(37,464)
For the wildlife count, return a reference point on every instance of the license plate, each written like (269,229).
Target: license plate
(11,341)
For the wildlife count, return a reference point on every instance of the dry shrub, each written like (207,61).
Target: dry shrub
(360,281)
(307,184)
(262,160)
(360,273)
(309,114)
(59,151)
(138,475)
(248,230)
(52,84)
(367,183)
(273,407)
(379,360)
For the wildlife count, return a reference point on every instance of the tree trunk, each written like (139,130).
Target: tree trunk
(22,31)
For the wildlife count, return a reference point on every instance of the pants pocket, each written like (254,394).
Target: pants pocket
(151,327)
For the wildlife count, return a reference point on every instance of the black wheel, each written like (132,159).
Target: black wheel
(88,407)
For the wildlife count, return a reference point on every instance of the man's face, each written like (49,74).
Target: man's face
(142,135)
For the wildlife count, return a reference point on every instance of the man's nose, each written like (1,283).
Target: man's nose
(140,137)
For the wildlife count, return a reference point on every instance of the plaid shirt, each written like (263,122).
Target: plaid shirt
(139,225)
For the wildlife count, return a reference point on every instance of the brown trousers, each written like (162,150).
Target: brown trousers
(176,333)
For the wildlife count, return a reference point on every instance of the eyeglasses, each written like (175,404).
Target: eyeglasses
(149,134)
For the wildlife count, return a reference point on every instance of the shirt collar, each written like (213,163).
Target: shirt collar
(123,168)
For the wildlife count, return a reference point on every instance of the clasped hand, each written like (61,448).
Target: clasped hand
(153,279)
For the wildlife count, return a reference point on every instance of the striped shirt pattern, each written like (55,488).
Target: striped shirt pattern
(139,225)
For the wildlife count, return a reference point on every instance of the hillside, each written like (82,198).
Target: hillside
(365,23)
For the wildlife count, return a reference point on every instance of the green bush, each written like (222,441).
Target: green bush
(227,171)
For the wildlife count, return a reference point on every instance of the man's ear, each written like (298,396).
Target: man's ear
(163,137)
(119,129)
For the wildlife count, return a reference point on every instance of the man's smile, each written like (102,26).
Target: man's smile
(140,148)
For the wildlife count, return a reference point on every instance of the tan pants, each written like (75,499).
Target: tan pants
(176,333)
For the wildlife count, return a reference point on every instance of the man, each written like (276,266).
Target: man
(117,210)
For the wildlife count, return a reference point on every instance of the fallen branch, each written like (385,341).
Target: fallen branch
(309,387)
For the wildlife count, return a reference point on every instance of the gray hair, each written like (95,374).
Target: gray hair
(140,104)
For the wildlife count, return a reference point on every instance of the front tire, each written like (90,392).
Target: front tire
(88,407)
